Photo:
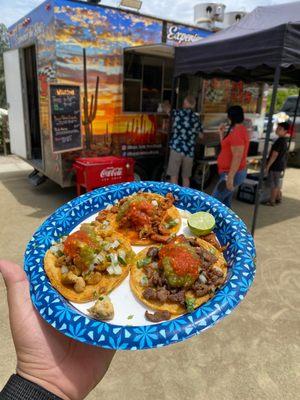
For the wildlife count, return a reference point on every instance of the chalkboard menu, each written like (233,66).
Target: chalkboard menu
(65,118)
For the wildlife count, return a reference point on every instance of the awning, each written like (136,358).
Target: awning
(158,50)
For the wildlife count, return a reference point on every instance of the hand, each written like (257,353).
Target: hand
(229,183)
(222,129)
(61,365)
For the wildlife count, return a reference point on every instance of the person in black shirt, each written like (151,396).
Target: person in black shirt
(276,163)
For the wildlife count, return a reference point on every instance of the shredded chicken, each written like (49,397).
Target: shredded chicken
(71,279)
(103,309)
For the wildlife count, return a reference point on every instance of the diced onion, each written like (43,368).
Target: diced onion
(98,259)
(202,278)
(114,270)
(90,269)
(154,203)
(115,244)
(64,269)
(114,259)
(56,248)
(122,255)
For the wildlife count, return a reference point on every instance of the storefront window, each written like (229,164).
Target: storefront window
(147,82)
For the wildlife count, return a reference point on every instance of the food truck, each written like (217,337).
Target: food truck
(90,80)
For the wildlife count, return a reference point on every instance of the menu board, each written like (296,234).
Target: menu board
(65,118)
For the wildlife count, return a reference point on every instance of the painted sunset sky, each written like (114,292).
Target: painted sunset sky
(104,33)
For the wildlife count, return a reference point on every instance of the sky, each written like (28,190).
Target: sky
(179,10)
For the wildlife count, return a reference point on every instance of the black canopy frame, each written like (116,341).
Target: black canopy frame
(263,47)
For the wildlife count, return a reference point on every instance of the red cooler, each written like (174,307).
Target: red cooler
(92,173)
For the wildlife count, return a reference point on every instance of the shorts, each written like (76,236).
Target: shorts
(177,160)
(275,179)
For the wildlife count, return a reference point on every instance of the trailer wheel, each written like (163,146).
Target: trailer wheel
(140,174)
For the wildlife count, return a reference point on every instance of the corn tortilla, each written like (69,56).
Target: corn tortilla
(133,236)
(136,275)
(91,292)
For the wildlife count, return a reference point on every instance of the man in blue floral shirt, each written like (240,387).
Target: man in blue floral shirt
(185,131)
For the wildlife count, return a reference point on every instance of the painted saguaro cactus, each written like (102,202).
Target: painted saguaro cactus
(89,110)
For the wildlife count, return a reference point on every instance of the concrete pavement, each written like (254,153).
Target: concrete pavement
(252,354)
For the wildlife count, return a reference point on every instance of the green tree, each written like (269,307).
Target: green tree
(3,47)
(282,95)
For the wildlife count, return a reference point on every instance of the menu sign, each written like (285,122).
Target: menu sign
(65,118)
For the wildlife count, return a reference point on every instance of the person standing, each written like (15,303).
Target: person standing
(276,163)
(186,129)
(232,160)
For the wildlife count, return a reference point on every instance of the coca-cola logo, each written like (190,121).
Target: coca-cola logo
(111,172)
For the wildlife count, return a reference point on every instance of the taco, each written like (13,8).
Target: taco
(178,277)
(143,218)
(88,263)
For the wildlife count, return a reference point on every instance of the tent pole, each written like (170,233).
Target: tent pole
(173,106)
(266,147)
(294,120)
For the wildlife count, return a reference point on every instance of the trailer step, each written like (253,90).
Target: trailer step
(36,178)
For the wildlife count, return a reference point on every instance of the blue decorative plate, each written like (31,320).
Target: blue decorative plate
(72,322)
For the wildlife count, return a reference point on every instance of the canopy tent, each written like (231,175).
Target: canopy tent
(249,50)
(264,46)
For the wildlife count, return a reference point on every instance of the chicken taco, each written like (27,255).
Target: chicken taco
(143,218)
(88,263)
(177,277)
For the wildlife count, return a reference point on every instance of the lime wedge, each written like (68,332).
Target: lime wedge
(201,223)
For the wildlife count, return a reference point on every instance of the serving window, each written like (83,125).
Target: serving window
(147,82)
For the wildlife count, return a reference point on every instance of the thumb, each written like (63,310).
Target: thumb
(12,273)
(16,283)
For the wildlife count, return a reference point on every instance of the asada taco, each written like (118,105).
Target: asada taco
(177,277)
(88,263)
(143,218)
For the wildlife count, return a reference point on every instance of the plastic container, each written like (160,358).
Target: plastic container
(92,173)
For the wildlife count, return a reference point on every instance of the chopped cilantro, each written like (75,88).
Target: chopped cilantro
(130,316)
(171,223)
(190,304)
(144,281)
(144,262)
(101,298)
(121,260)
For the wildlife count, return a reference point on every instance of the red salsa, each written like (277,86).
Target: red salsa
(72,243)
(140,213)
(183,259)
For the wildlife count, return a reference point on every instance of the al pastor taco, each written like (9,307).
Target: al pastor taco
(143,218)
(88,263)
(178,277)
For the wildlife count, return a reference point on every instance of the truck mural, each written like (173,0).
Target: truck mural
(58,31)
